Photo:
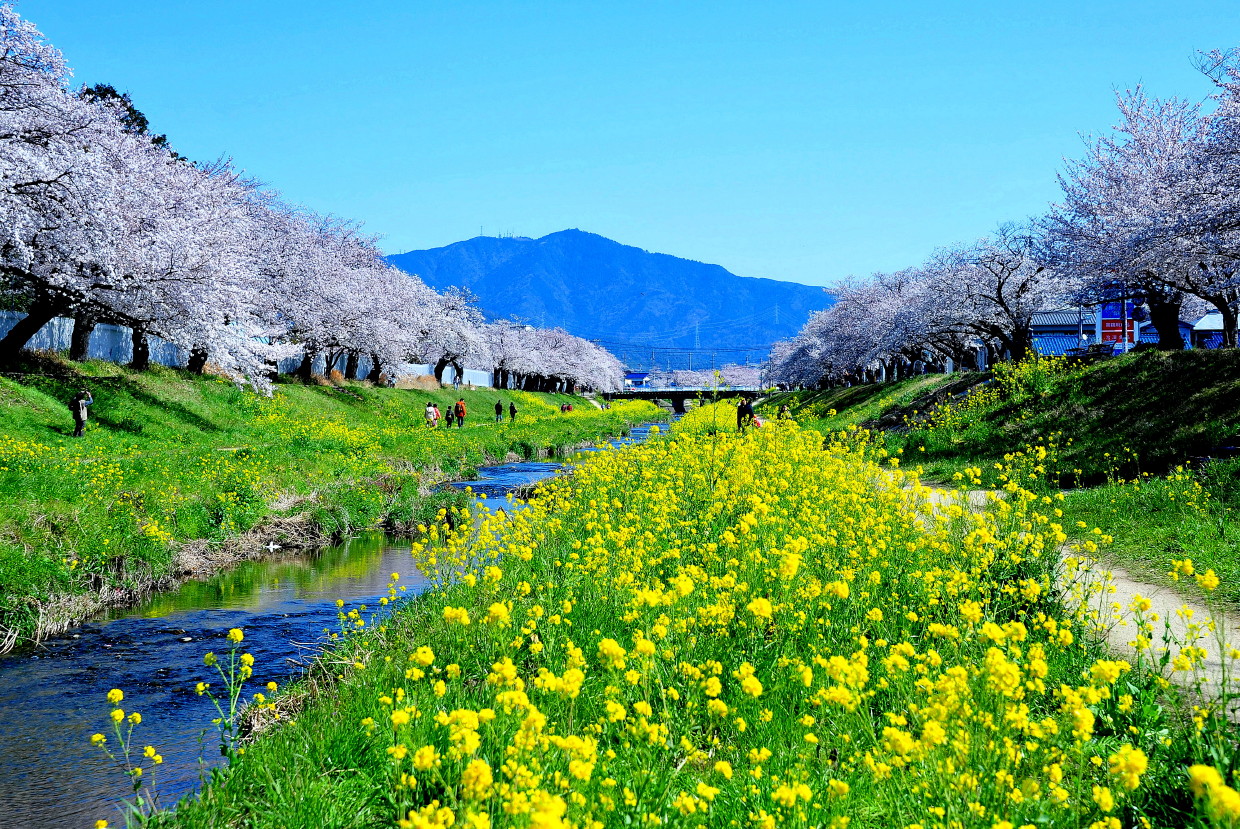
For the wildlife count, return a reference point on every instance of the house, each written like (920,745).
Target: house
(1208,332)
(1055,332)
(635,379)
(1065,323)
(1149,334)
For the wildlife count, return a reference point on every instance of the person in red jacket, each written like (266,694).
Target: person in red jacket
(459,411)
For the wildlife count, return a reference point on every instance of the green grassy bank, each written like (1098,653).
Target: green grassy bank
(179,474)
(723,629)
(843,407)
(1119,438)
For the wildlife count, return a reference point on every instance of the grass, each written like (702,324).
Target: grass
(1156,521)
(170,458)
(716,630)
(1115,433)
(843,407)
(1145,412)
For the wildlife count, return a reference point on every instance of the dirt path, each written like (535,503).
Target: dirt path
(1179,619)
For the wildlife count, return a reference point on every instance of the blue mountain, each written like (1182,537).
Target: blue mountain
(647,308)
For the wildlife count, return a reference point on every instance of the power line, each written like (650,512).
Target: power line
(697,327)
(681,349)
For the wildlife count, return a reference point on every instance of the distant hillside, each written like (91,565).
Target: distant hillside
(632,301)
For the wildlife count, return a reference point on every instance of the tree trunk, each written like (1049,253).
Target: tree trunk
(1229,325)
(141,359)
(1021,344)
(350,365)
(197,360)
(41,313)
(440,365)
(79,344)
(376,373)
(1165,317)
(329,362)
(305,371)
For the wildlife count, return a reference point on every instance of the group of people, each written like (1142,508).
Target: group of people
(456,414)
(499,411)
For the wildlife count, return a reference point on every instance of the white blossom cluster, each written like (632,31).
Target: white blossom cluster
(102,224)
(1150,214)
(963,301)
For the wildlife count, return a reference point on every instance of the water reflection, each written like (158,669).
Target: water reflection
(52,698)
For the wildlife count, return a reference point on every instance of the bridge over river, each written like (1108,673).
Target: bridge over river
(677,396)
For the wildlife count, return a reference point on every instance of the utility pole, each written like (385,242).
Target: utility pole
(697,335)
(777,315)
(1124,316)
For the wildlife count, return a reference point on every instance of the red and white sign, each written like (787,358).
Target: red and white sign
(1113,331)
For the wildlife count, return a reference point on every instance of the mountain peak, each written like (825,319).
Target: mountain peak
(647,308)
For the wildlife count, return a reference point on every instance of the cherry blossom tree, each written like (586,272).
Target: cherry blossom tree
(1116,226)
(102,222)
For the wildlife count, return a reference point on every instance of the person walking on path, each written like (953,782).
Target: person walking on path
(744,414)
(430,414)
(459,411)
(512,412)
(438,415)
(78,406)
(499,411)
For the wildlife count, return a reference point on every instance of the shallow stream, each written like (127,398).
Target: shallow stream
(52,698)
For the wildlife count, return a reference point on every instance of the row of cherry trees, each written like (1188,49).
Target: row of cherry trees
(1150,213)
(102,223)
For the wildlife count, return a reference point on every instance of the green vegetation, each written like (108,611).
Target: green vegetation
(169,457)
(1158,520)
(723,629)
(1146,412)
(843,407)
(1119,436)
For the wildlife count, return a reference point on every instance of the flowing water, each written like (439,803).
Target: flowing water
(52,698)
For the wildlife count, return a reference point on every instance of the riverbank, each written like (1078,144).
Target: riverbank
(179,475)
(1142,446)
(718,628)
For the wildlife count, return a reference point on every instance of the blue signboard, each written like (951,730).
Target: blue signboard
(1115,311)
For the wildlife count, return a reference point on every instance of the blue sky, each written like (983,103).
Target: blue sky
(792,140)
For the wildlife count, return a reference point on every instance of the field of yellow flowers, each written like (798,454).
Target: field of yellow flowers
(169,458)
(753,630)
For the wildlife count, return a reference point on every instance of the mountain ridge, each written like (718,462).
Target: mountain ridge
(647,307)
